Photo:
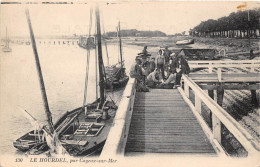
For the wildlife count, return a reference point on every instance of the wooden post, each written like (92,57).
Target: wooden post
(210,67)
(220,95)
(186,89)
(216,126)
(252,68)
(198,103)
(219,75)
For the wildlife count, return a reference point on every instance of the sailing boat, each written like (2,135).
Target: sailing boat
(87,42)
(6,48)
(115,75)
(81,131)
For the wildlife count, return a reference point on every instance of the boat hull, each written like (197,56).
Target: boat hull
(31,145)
(116,78)
(185,42)
(28,141)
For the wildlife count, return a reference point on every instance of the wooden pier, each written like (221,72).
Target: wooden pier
(163,123)
(168,121)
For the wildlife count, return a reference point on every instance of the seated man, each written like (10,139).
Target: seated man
(178,67)
(153,78)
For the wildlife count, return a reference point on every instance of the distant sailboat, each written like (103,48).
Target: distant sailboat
(6,48)
(115,75)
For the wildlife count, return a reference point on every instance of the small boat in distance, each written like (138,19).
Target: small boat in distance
(87,42)
(6,48)
(185,42)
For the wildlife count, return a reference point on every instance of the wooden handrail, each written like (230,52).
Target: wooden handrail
(220,115)
(224,61)
(252,64)
(117,137)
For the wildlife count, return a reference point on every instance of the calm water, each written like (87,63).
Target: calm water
(63,68)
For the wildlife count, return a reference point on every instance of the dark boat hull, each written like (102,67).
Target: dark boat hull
(117,84)
(26,143)
(116,78)
(88,46)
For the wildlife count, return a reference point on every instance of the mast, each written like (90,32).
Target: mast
(87,65)
(120,45)
(38,66)
(100,60)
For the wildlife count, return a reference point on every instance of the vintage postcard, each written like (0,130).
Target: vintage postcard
(129,83)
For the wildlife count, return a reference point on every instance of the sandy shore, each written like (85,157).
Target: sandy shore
(230,45)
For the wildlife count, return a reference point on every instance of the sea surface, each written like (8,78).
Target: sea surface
(64,69)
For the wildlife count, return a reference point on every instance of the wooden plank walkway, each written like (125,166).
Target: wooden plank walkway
(163,123)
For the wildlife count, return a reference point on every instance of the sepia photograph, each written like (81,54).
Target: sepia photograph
(129,83)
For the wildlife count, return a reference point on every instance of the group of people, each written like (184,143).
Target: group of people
(162,71)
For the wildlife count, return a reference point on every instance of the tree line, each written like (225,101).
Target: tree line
(242,24)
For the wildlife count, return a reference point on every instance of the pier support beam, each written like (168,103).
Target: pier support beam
(254,99)
(220,95)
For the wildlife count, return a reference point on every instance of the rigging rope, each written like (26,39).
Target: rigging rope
(104,39)
(117,30)
(87,65)
(96,70)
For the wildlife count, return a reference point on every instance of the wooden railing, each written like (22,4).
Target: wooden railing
(219,115)
(116,140)
(252,64)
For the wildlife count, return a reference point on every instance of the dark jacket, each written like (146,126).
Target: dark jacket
(183,65)
(167,54)
(152,66)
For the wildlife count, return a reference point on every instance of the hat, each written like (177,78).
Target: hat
(138,58)
(141,54)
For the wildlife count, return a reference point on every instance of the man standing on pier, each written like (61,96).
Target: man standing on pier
(167,54)
(160,62)
(144,52)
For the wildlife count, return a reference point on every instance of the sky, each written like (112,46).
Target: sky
(67,19)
